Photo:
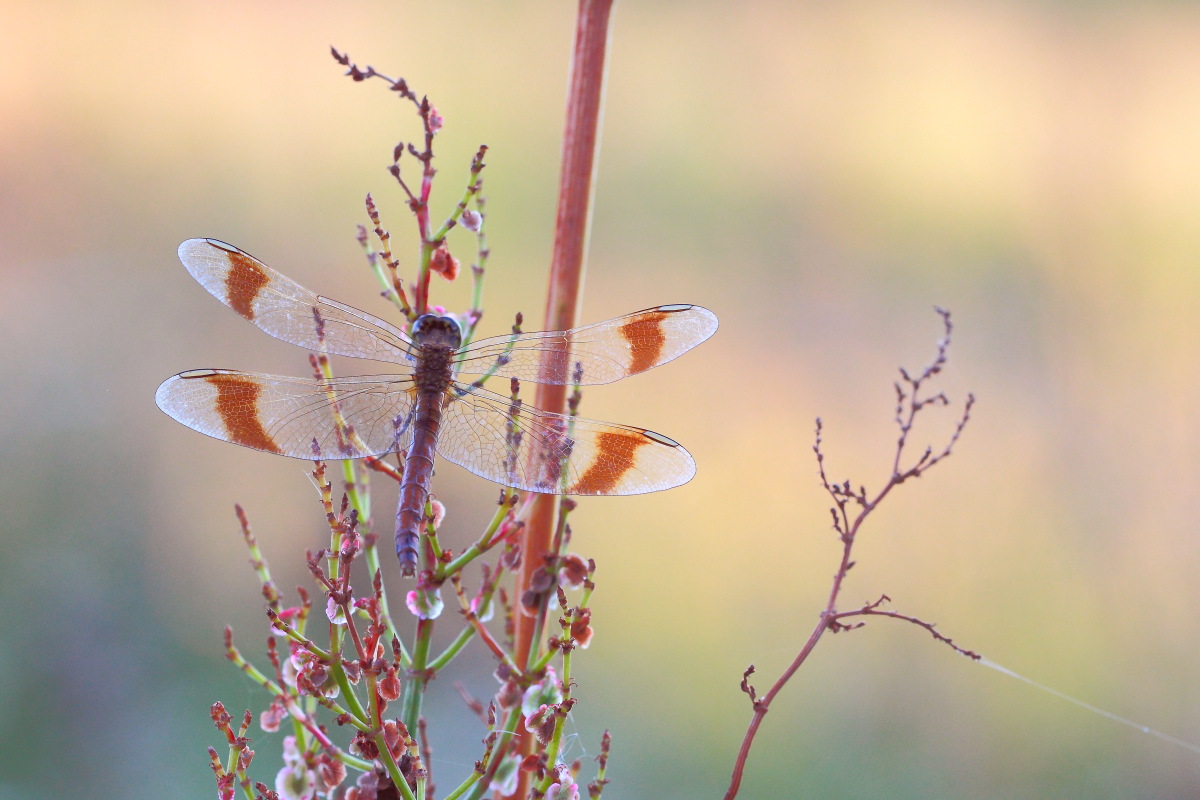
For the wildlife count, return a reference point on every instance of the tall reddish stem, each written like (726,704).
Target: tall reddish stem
(580,136)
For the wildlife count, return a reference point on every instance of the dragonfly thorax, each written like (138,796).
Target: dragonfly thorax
(434,330)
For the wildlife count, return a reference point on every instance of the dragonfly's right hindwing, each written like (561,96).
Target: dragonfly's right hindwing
(537,451)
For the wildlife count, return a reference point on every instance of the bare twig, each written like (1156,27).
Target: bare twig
(851,508)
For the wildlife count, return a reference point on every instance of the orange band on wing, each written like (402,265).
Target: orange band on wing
(615,455)
(237,403)
(243,283)
(646,340)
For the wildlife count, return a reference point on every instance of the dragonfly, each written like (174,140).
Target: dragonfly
(428,406)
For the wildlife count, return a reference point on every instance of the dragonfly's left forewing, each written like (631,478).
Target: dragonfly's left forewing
(286,310)
(522,447)
(301,418)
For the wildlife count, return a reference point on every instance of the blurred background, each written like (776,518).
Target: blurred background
(819,176)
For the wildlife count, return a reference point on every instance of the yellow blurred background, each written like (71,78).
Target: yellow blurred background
(818,174)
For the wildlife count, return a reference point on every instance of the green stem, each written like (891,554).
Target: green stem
(464,786)
(435,545)
(484,542)
(414,687)
(393,769)
(466,634)
(510,726)
(253,672)
(355,475)
(472,188)
(354,707)
(296,636)
(452,649)
(561,718)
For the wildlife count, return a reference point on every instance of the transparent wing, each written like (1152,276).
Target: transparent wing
(288,311)
(606,351)
(310,419)
(520,446)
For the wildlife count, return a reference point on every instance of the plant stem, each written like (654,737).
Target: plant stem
(580,137)
(414,687)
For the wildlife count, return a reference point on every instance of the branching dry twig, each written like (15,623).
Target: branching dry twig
(851,508)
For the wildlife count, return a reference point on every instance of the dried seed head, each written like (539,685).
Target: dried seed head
(509,694)
(331,771)
(394,736)
(389,685)
(269,720)
(572,571)
(444,264)
(581,629)
(541,723)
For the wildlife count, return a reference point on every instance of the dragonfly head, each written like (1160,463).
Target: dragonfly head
(437,331)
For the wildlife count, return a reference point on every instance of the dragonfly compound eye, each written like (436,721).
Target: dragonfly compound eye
(433,329)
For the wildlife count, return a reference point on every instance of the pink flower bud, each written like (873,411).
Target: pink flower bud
(563,791)
(439,512)
(425,603)
(335,612)
(483,611)
(289,616)
(471,220)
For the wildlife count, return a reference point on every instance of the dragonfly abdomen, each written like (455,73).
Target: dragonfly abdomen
(432,377)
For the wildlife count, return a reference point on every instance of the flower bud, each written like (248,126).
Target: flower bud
(544,692)
(425,603)
(439,512)
(563,791)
